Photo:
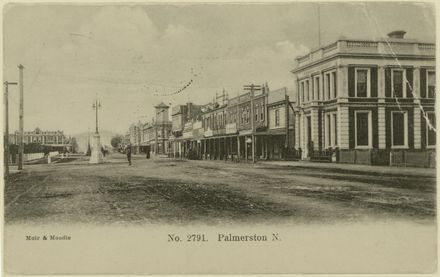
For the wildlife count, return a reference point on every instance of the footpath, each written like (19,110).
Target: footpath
(430,172)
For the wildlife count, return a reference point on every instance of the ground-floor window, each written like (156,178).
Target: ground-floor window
(399,129)
(363,129)
(331,130)
(430,132)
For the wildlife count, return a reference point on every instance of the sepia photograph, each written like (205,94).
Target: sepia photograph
(219,138)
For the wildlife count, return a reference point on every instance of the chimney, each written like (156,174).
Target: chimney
(189,111)
(397,34)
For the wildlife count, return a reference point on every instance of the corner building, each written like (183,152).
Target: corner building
(367,102)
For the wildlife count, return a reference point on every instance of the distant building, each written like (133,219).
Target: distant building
(152,136)
(371,100)
(183,117)
(41,137)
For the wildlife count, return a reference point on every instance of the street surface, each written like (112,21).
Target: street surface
(177,191)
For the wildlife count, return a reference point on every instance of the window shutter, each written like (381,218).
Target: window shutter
(387,128)
(351,83)
(388,82)
(423,128)
(409,85)
(373,76)
(351,128)
(423,83)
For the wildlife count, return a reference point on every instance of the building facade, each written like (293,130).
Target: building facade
(183,117)
(367,102)
(39,136)
(239,128)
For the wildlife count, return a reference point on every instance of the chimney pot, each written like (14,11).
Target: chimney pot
(397,34)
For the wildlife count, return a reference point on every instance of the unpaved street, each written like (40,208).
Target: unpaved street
(163,190)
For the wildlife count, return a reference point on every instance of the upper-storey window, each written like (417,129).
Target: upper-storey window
(398,83)
(256,111)
(362,78)
(301,92)
(330,91)
(430,86)
(307,90)
(316,84)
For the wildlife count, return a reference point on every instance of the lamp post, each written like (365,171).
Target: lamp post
(96,156)
(96,106)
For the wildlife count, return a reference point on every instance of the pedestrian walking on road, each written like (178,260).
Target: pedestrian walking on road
(148,152)
(128,152)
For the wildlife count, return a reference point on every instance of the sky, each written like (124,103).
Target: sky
(132,57)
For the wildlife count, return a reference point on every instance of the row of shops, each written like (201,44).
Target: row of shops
(236,129)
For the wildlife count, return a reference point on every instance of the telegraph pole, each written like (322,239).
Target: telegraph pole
(252,88)
(6,140)
(21,136)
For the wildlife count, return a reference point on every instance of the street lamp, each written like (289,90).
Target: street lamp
(96,156)
(96,106)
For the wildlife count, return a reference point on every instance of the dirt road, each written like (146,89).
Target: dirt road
(213,192)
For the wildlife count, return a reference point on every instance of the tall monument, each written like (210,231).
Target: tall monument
(96,156)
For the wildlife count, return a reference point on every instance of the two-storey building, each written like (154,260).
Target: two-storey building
(371,100)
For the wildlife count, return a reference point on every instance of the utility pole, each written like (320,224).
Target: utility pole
(6,140)
(319,25)
(252,88)
(21,136)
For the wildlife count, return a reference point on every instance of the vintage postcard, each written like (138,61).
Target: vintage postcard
(219,138)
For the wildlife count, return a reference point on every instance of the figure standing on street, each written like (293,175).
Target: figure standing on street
(128,152)
(148,152)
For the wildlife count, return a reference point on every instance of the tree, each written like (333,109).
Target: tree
(74,145)
(89,150)
(116,141)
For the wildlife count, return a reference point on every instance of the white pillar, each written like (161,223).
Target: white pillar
(96,155)
(381,109)
(315,129)
(321,86)
(381,82)
(381,127)
(342,81)
(417,112)
(343,128)
(417,128)
(297,131)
